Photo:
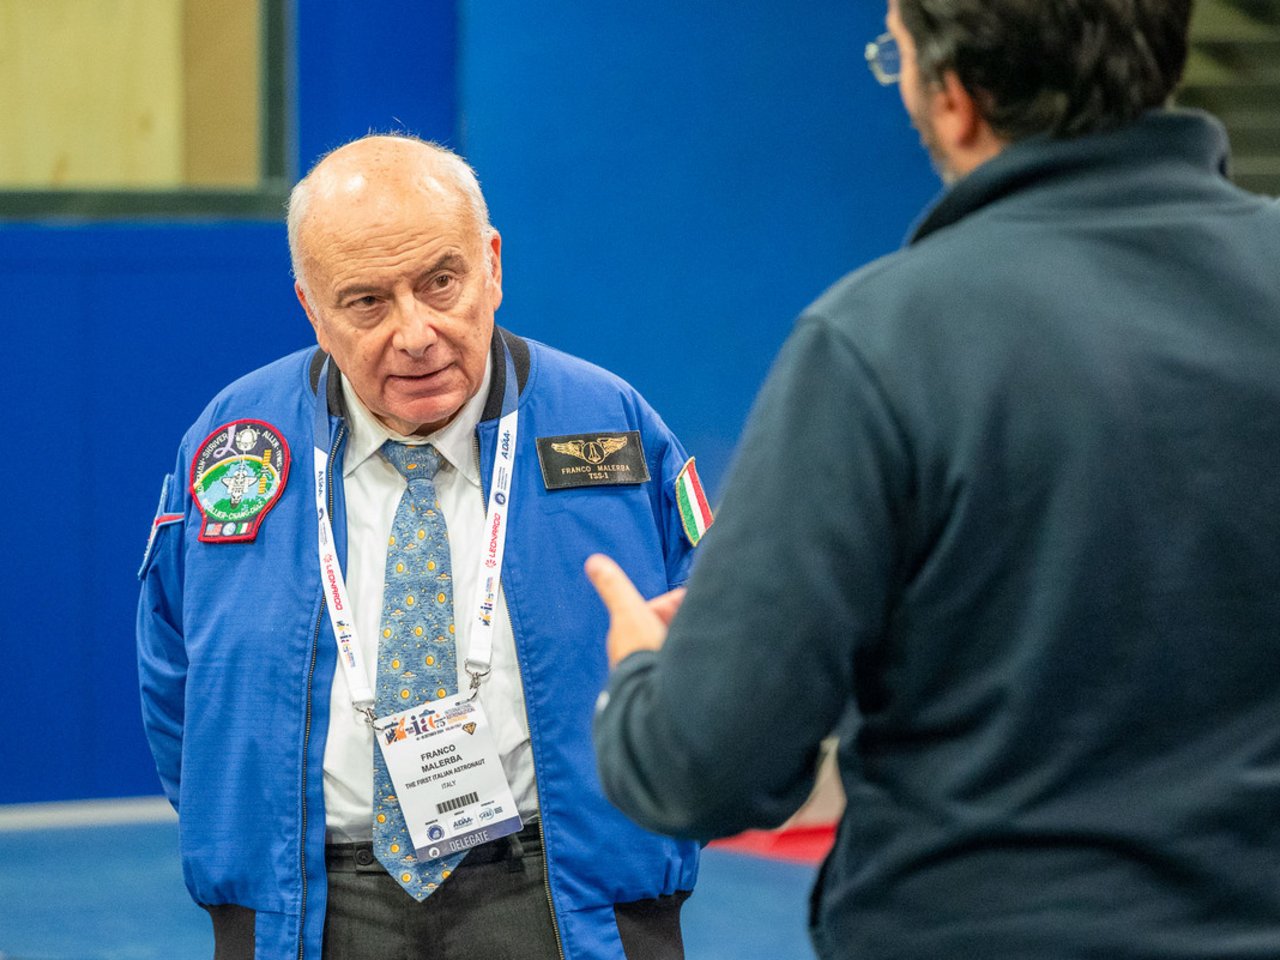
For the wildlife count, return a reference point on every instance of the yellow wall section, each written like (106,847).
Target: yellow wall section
(222,103)
(101,94)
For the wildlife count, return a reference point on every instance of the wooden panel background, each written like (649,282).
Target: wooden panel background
(102,94)
(222,129)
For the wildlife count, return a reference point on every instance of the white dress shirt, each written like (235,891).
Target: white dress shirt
(373,489)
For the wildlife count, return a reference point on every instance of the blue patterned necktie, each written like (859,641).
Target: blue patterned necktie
(417,658)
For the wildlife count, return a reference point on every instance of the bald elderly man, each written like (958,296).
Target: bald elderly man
(368,679)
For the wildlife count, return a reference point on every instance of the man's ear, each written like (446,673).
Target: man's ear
(956,115)
(961,129)
(311,316)
(495,266)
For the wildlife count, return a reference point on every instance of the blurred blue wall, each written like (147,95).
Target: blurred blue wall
(673,183)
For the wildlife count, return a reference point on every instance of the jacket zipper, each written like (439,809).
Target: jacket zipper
(306,731)
(546,857)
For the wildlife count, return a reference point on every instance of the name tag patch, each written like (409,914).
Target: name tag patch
(592,460)
(237,476)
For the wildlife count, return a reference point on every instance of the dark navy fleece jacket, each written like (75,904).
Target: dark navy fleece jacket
(1007,515)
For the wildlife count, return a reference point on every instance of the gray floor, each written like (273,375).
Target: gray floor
(115,892)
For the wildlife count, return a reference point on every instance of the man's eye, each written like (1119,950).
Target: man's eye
(443,281)
(365,302)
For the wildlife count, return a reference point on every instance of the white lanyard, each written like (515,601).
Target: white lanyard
(489,566)
(494,535)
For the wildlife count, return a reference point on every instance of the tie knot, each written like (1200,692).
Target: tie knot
(418,461)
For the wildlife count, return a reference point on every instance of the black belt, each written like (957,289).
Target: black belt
(359,857)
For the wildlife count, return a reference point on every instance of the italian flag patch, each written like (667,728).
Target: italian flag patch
(695,512)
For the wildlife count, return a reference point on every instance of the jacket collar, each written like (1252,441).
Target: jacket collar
(1097,161)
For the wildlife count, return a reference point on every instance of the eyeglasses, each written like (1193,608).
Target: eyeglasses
(884,60)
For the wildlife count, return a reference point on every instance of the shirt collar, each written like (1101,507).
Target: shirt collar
(455,440)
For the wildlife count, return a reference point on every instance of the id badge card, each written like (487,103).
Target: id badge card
(448,778)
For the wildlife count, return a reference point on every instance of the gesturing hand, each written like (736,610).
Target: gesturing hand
(634,624)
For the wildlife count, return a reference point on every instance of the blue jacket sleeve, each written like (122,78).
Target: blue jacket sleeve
(162,658)
(720,730)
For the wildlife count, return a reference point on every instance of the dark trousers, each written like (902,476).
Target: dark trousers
(495,906)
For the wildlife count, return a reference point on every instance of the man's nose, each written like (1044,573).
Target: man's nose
(415,326)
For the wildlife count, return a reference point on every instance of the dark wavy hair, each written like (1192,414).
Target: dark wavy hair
(1059,67)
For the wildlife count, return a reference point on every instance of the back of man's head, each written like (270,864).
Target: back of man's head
(1059,67)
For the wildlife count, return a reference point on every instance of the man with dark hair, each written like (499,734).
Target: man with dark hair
(1006,516)
(1062,68)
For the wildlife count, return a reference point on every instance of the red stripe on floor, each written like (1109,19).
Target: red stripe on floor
(808,844)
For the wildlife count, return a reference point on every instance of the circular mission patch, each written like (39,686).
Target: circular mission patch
(237,476)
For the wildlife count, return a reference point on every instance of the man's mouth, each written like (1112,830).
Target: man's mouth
(419,382)
(418,377)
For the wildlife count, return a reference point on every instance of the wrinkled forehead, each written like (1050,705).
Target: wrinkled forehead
(383,196)
(351,208)
(379,185)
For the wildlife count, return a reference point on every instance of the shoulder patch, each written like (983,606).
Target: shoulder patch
(237,476)
(695,512)
(592,459)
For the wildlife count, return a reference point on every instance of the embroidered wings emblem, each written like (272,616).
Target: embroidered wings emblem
(592,451)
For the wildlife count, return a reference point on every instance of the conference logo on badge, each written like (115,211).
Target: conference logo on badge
(237,476)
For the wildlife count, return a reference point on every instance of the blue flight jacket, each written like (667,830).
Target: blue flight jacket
(236,656)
